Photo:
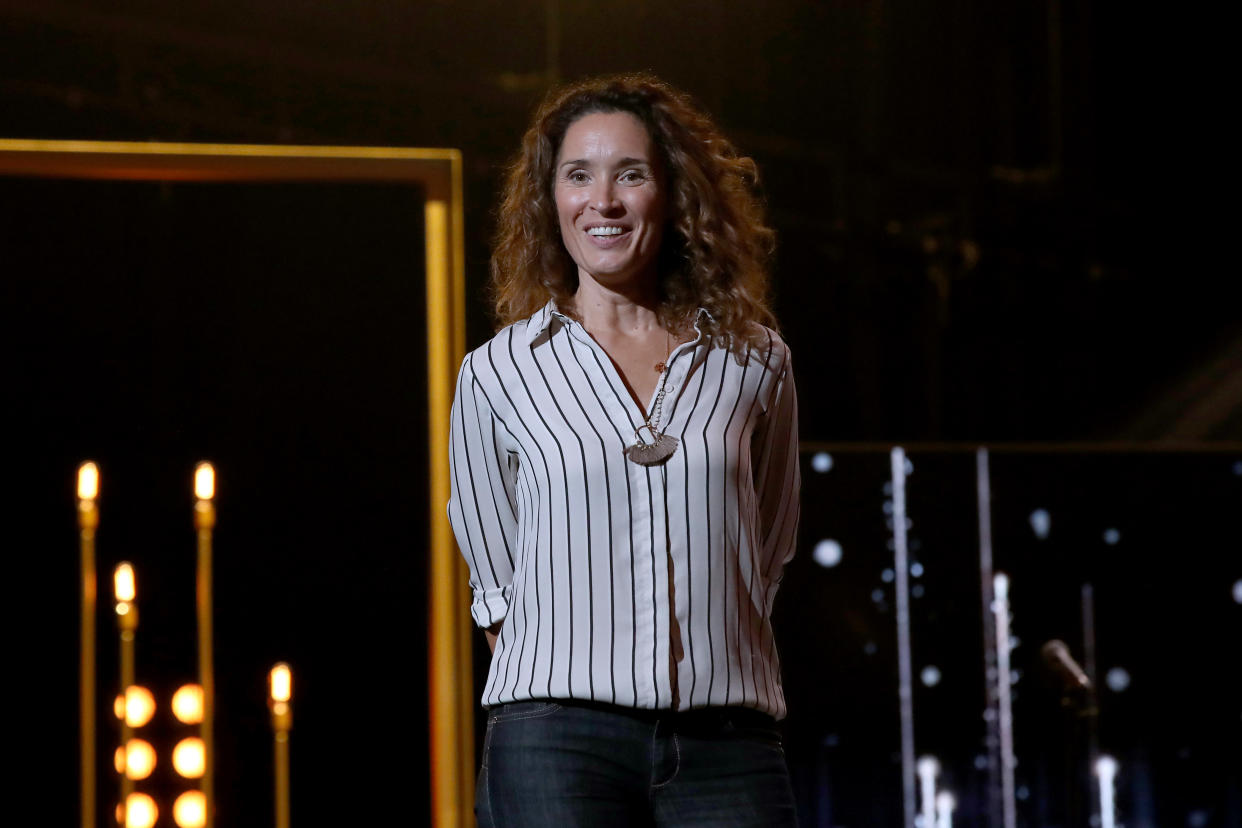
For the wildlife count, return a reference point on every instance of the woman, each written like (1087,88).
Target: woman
(625,479)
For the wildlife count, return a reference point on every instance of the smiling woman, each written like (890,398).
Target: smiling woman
(625,477)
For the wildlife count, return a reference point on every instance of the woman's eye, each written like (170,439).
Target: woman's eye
(632,177)
(577,177)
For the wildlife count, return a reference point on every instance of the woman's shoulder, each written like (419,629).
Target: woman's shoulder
(490,358)
(766,347)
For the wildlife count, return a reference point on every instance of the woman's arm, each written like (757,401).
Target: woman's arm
(481,507)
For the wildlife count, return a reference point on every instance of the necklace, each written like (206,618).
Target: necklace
(662,445)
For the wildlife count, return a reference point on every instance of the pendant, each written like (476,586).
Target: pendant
(652,454)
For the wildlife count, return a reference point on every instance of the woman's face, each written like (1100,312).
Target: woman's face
(610,198)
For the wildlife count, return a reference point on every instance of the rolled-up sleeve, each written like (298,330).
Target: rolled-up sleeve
(777,477)
(481,507)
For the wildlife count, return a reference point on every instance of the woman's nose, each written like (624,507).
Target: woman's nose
(604,197)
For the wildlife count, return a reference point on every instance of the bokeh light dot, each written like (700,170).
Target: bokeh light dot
(1117,679)
(821,462)
(930,676)
(827,553)
(1041,523)
(1111,536)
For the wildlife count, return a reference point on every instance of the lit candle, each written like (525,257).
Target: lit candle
(204,522)
(88,521)
(280,691)
(125,592)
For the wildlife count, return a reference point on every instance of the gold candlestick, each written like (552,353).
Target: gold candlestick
(204,522)
(280,690)
(88,521)
(127,623)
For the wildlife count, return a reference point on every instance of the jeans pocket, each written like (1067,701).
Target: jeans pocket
(520,710)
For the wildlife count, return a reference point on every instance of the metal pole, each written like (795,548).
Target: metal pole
(905,681)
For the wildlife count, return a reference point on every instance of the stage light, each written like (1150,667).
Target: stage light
(930,675)
(916,569)
(945,803)
(822,462)
(1041,523)
(88,481)
(123,584)
(204,481)
(1237,591)
(139,706)
(136,760)
(887,576)
(1106,770)
(190,810)
(189,758)
(1111,536)
(187,704)
(1117,679)
(140,811)
(827,553)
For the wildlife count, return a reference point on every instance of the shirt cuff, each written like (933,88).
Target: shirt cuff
(490,606)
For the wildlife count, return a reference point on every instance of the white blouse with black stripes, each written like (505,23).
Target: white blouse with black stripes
(642,586)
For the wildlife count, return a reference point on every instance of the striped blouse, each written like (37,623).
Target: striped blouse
(642,586)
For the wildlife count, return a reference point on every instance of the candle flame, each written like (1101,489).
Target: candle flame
(123,581)
(204,481)
(88,481)
(280,681)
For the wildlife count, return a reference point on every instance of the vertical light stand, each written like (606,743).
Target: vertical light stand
(1004,694)
(280,691)
(204,522)
(905,672)
(125,591)
(88,522)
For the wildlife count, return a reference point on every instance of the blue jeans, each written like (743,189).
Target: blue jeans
(570,764)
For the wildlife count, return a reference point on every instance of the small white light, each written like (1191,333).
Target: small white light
(887,576)
(1197,819)
(1237,591)
(909,467)
(1106,767)
(1023,793)
(827,553)
(930,675)
(916,569)
(1111,536)
(877,595)
(1117,679)
(981,762)
(821,461)
(1041,523)
(1000,585)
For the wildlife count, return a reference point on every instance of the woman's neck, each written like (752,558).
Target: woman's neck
(629,309)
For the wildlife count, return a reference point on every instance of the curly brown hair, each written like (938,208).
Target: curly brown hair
(716,243)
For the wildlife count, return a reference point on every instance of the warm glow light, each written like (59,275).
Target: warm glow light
(190,810)
(139,706)
(189,757)
(139,759)
(118,761)
(281,683)
(187,704)
(118,706)
(140,811)
(204,481)
(123,583)
(88,481)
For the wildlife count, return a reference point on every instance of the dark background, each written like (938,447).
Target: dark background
(995,225)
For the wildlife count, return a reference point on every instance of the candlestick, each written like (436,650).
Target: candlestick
(204,522)
(280,690)
(127,622)
(88,521)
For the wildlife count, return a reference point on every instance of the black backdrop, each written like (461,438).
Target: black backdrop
(277,330)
